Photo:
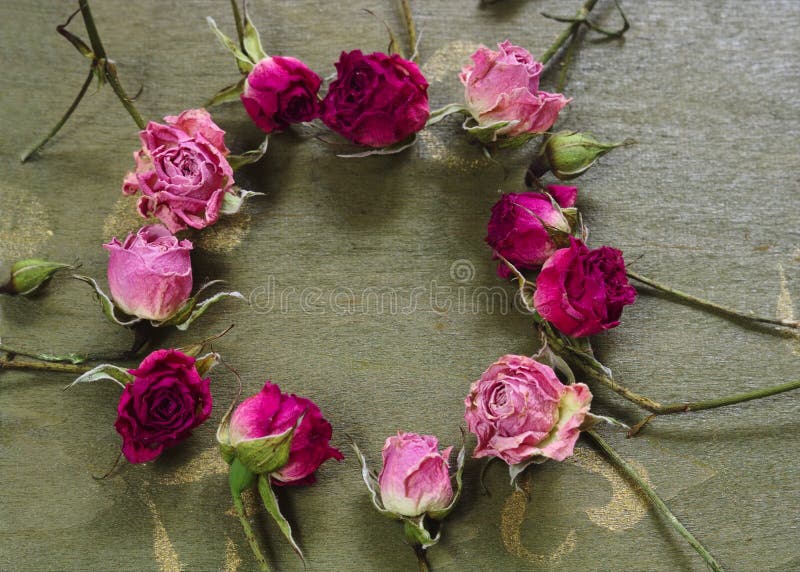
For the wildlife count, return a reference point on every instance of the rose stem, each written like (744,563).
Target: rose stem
(408,16)
(248,532)
(6,363)
(719,309)
(71,358)
(659,504)
(422,559)
(109,69)
(562,75)
(564,36)
(42,142)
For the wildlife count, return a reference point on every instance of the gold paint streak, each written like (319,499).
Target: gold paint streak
(225,235)
(164,551)
(437,149)
(207,463)
(232,558)
(124,219)
(627,505)
(446,62)
(23,226)
(785,309)
(511,521)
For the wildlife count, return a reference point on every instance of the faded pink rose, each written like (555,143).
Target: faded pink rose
(519,409)
(280,91)
(150,274)
(270,412)
(415,478)
(376,99)
(159,409)
(517,230)
(582,292)
(181,171)
(504,86)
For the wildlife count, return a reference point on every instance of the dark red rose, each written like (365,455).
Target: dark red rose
(582,292)
(376,99)
(159,409)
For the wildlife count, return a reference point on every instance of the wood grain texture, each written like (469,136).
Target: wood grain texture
(707,201)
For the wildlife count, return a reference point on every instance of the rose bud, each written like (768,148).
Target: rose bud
(501,89)
(415,478)
(570,154)
(582,292)
(376,99)
(520,411)
(165,401)
(29,276)
(281,91)
(181,171)
(150,274)
(527,228)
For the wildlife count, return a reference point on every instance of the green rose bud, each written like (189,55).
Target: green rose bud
(28,276)
(570,153)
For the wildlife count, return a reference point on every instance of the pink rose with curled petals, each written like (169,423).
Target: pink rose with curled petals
(582,292)
(516,229)
(270,413)
(519,409)
(415,477)
(181,171)
(280,91)
(150,274)
(503,85)
(165,402)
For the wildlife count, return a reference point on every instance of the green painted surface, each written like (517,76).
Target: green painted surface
(707,201)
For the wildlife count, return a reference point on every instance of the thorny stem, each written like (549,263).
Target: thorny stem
(568,32)
(6,363)
(659,504)
(712,306)
(248,532)
(408,16)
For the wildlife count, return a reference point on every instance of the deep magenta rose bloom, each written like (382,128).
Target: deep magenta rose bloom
(519,409)
(516,228)
(376,100)
(159,409)
(181,171)
(582,292)
(281,91)
(150,274)
(415,478)
(271,412)
(504,86)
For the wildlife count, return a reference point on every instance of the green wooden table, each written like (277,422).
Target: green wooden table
(707,201)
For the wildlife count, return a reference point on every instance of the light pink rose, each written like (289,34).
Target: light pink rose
(415,478)
(504,86)
(150,274)
(519,409)
(181,171)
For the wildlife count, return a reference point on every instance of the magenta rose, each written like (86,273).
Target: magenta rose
(376,100)
(519,409)
(159,409)
(181,171)
(415,478)
(281,91)
(150,274)
(517,226)
(270,413)
(582,292)
(504,86)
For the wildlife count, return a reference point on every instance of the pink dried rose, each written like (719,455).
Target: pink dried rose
(415,478)
(582,292)
(280,91)
(181,171)
(165,402)
(504,86)
(517,230)
(150,274)
(376,99)
(270,413)
(519,409)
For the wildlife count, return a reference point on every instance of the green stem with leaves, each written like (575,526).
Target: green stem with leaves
(653,497)
(712,306)
(248,532)
(569,31)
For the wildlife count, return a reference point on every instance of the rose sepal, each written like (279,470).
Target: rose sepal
(109,309)
(232,203)
(438,115)
(271,505)
(238,161)
(371,480)
(393,149)
(243,61)
(266,454)
(485,133)
(105,371)
(417,534)
(457,479)
(227,94)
